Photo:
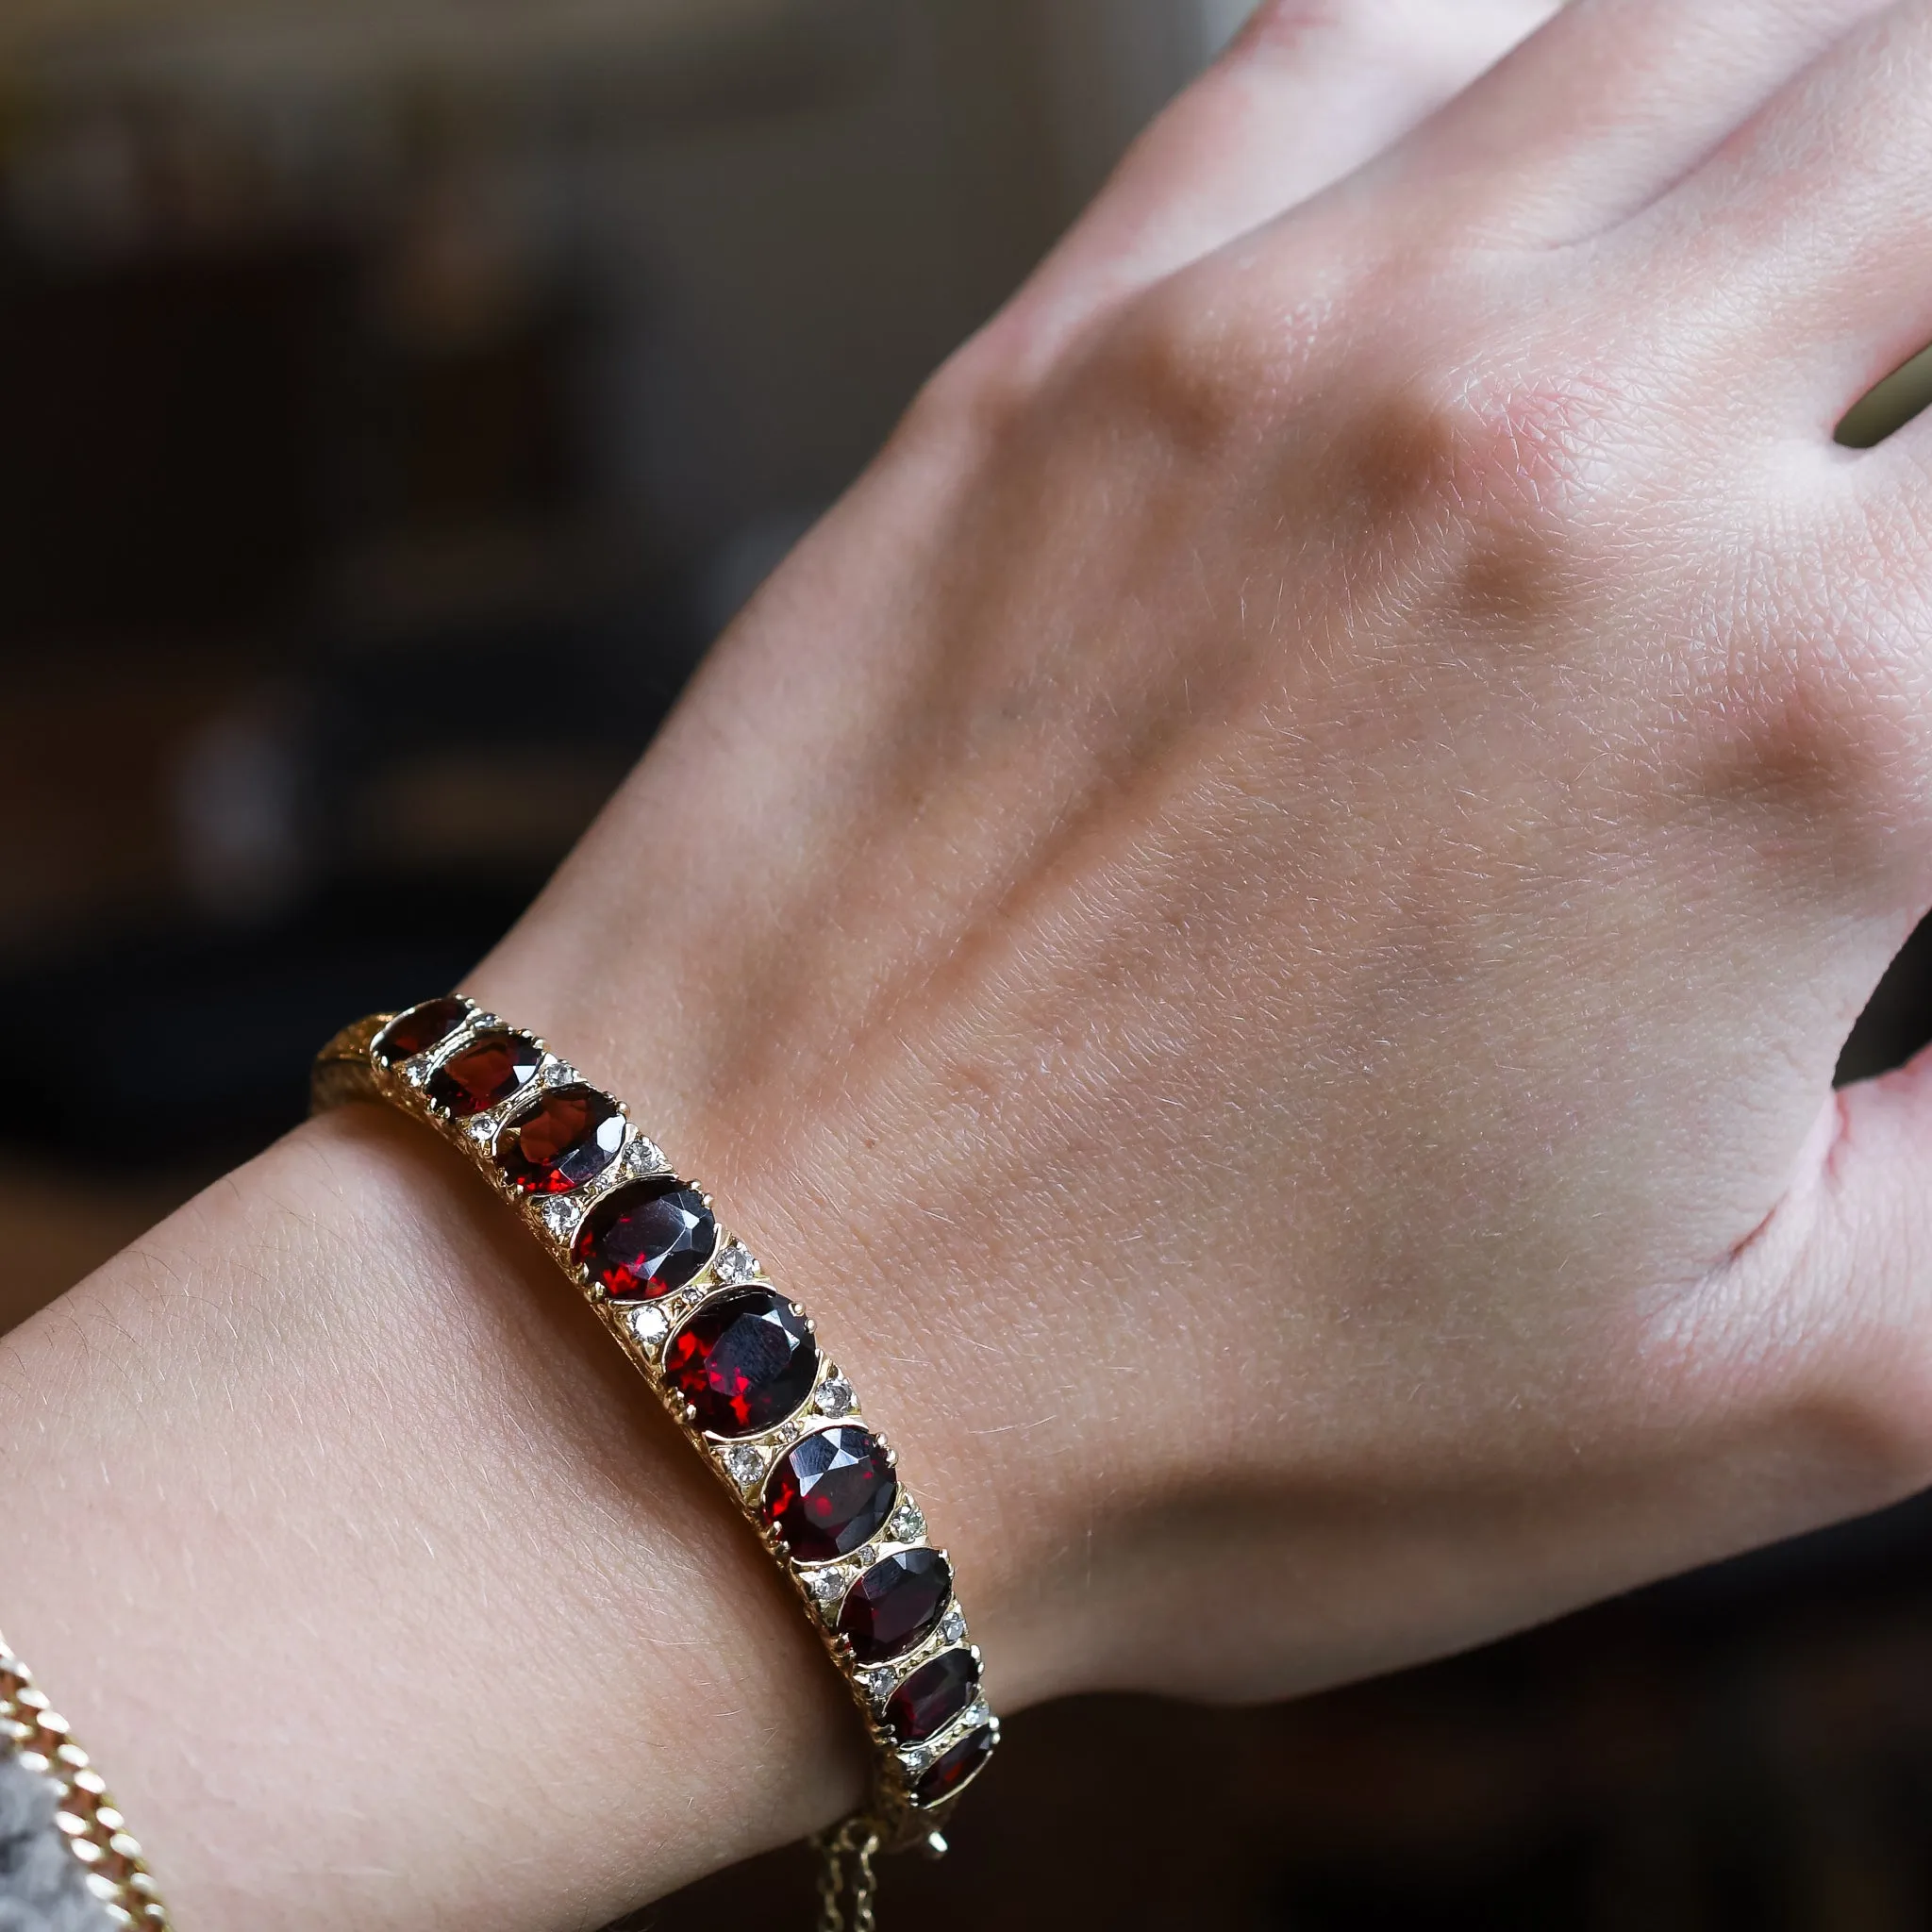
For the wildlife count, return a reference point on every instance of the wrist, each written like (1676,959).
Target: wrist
(960,1365)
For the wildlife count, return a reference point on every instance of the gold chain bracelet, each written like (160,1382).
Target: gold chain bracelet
(741,1370)
(37,1737)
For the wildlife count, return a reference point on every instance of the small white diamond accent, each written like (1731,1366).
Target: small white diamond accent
(560,1217)
(828,1585)
(977,1714)
(953,1626)
(482,1129)
(874,1683)
(907,1526)
(915,1757)
(644,1156)
(417,1073)
(649,1325)
(746,1466)
(834,1396)
(735,1266)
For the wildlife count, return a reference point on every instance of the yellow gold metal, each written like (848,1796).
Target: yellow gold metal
(848,1887)
(348,1069)
(37,1737)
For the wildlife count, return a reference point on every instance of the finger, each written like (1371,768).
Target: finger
(1799,245)
(1608,106)
(1308,92)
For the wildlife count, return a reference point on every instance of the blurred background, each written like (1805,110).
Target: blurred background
(357,357)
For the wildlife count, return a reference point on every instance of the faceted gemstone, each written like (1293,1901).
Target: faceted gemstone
(833,1396)
(487,1071)
(933,1696)
(559,1140)
(736,1266)
(828,1585)
(648,1325)
(742,1362)
(829,1493)
(952,1769)
(646,1238)
(895,1603)
(418,1030)
(644,1155)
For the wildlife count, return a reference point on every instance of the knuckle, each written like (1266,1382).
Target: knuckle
(1396,31)
(1498,482)
(1816,701)
(1799,741)
(1497,448)
(1191,363)
(1286,26)
(976,397)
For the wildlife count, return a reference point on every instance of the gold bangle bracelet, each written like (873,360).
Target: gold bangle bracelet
(742,1373)
(37,1738)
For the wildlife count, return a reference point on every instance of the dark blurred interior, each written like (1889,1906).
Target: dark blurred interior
(357,361)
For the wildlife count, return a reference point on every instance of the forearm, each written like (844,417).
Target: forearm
(357,1553)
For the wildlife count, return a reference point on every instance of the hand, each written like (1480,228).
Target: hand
(1203,922)
(1292,868)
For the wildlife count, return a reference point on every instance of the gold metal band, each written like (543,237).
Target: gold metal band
(510,1104)
(37,1737)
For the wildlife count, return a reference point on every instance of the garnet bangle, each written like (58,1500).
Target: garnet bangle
(740,1369)
(36,1738)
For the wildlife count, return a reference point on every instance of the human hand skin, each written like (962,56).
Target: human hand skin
(1258,922)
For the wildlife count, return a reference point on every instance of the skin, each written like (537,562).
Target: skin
(1259,924)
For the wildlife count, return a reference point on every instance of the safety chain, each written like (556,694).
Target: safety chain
(847,1892)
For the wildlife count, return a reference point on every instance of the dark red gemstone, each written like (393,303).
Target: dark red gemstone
(933,1696)
(559,1140)
(829,1493)
(895,1603)
(953,1769)
(646,1238)
(487,1071)
(419,1029)
(743,1362)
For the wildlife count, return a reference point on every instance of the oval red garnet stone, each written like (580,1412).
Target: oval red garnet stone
(419,1029)
(933,1695)
(486,1071)
(743,1362)
(646,1238)
(952,1769)
(829,1493)
(560,1140)
(895,1603)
